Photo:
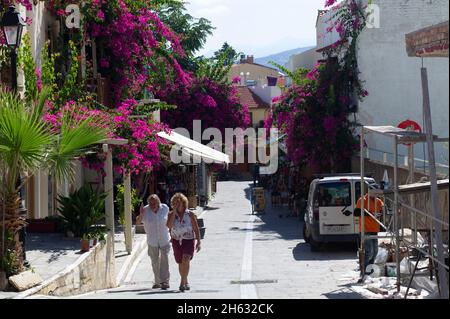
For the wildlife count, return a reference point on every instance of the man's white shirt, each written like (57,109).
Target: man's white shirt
(155,226)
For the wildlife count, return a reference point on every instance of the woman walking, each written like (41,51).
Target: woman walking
(184,230)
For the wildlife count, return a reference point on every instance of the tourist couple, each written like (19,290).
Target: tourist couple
(178,227)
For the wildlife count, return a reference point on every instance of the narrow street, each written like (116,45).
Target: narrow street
(248,257)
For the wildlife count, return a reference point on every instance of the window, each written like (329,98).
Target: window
(334,194)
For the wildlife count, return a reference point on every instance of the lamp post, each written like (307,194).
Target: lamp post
(12,27)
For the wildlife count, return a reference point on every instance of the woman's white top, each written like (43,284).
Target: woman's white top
(182,228)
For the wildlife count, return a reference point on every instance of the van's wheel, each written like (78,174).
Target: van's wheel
(306,234)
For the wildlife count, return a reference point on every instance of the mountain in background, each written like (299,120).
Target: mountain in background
(280,58)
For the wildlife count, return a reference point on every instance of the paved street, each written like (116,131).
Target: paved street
(245,256)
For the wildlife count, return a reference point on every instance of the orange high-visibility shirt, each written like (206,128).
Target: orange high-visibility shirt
(375,207)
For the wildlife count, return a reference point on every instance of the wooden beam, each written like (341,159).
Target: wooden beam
(432,41)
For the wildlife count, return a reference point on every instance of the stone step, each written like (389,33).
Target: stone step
(25,280)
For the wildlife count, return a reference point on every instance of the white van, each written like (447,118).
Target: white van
(330,210)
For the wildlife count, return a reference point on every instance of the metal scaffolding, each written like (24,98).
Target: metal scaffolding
(393,222)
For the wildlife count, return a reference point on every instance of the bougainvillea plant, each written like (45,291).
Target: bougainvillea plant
(314,112)
(211,98)
(125,122)
(138,53)
(215,104)
(349,19)
(135,48)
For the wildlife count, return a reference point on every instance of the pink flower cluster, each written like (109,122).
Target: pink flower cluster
(349,19)
(217,105)
(132,37)
(141,154)
(26,3)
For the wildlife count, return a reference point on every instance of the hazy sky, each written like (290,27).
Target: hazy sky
(258,27)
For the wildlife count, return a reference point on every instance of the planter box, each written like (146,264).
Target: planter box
(41,226)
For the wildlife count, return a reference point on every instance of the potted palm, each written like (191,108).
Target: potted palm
(82,209)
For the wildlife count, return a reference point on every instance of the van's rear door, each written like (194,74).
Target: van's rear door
(336,208)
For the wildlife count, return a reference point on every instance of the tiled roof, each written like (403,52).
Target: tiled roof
(246,96)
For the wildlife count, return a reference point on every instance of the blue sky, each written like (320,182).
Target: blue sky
(258,27)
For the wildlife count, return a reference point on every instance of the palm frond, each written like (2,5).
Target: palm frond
(76,137)
(24,139)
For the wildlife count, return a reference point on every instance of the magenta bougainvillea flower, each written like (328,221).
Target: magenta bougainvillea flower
(217,105)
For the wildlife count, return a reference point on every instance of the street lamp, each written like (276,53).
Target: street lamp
(12,27)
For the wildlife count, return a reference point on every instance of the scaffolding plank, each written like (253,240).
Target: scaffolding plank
(403,136)
(432,41)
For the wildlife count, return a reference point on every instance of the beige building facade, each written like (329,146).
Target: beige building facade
(252,73)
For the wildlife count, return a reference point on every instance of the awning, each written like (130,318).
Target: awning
(194,148)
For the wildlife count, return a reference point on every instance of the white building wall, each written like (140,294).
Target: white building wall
(38,29)
(266,93)
(37,32)
(324,38)
(393,79)
(306,60)
(41,195)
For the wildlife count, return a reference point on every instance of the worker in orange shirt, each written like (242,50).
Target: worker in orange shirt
(371,227)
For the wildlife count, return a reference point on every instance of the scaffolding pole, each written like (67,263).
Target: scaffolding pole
(401,136)
(396,213)
(443,285)
(362,248)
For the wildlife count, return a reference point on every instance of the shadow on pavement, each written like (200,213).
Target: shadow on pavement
(144,291)
(55,244)
(276,222)
(287,228)
(207,208)
(332,251)
(343,293)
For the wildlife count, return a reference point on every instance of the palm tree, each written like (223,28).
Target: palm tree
(28,145)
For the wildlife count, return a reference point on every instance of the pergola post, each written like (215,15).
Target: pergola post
(109,189)
(127,212)
(109,201)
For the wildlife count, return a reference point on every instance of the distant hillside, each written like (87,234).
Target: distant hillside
(280,58)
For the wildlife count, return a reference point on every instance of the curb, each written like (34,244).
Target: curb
(140,246)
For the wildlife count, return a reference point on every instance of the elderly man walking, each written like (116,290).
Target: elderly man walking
(154,217)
